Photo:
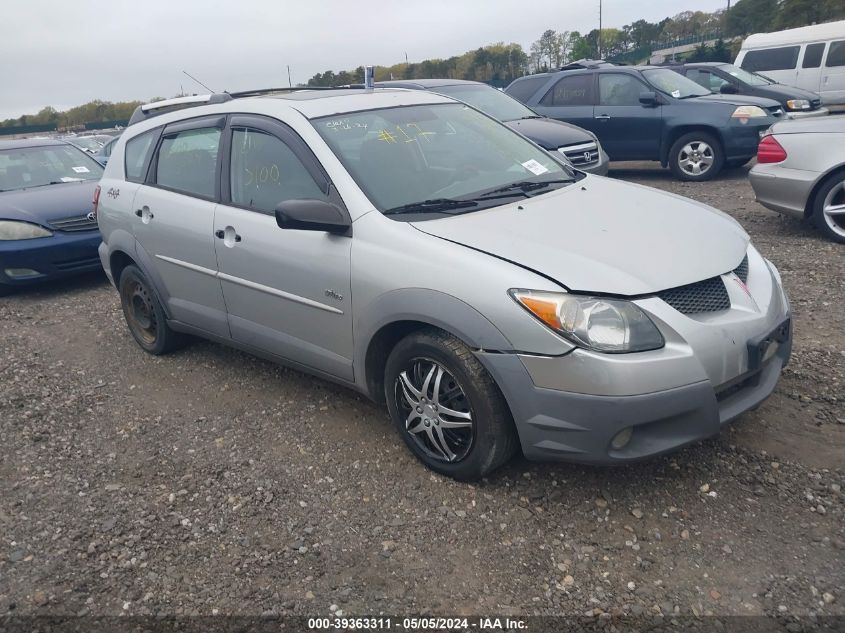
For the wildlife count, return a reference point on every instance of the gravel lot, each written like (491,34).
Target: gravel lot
(212,482)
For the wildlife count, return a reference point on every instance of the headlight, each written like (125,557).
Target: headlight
(13,230)
(743,113)
(798,104)
(603,325)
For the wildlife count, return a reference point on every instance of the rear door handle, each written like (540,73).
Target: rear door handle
(602,117)
(221,235)
(144,213)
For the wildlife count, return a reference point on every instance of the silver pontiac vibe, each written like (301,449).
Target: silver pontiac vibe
(420,252)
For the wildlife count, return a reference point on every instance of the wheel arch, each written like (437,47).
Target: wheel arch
(402,312)
(820,182)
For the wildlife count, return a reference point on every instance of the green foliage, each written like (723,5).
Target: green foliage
(793,13)
(91,112)
(751,16)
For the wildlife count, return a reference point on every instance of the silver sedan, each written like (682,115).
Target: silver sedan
(800,170)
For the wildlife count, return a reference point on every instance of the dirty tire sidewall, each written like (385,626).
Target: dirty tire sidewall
(166,339)
(494,440)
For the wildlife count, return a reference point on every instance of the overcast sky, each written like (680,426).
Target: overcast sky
(64,53)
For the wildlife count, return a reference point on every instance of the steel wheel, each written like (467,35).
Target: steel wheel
(833,209)
(141,313)
(696,158)
(438,416)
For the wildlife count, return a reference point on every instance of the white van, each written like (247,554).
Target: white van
(809,57)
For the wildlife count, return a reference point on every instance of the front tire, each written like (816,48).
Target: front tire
(828,210)
(696,156)
(144,315)
(446,407)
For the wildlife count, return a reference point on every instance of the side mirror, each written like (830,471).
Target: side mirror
(313,215)
(728,89)
(649,99)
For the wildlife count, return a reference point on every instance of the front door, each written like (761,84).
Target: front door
(287,291)
(174,220)
(627,129)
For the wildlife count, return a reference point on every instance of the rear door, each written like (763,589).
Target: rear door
(571,99)
(174,222)
(627,129)
(833,73)
(287,291)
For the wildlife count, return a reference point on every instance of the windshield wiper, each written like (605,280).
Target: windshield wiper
(434,205)
(524,186)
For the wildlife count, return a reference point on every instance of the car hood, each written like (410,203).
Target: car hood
(781,91)
(50,202)
(833,124)
(550,134)
(603,236)
(740,100)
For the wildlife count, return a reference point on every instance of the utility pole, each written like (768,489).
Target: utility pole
(406,58)
(290,85)
(598,43)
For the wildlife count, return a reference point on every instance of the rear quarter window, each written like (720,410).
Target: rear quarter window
(576,90)
(783,58)
(524,89)
(135,156)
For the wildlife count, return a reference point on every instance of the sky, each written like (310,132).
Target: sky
(63,54)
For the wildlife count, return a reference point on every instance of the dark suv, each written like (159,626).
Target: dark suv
(652,113)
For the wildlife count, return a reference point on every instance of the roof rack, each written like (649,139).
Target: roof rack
(580,64)
(156,108)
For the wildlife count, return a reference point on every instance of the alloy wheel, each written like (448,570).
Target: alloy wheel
(696,158)
(833,209)
(437,412)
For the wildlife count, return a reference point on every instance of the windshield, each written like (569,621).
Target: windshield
(673,84)
(743,75)
(438,158)
(494,102)
(25,167)
(86,142)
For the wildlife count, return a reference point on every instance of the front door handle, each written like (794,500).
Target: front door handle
(602,117)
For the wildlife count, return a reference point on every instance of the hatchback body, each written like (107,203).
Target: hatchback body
(801,172)
(414,249)
(652,113)
(47,229)
(725,78)
(580,147)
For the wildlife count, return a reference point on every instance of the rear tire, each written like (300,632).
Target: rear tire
(696,156)
(446,406)
(144,315)
(830,196)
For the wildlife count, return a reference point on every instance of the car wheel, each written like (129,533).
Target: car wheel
(144,314)
(696,156)
(446,407)
(736,163)
(829,208)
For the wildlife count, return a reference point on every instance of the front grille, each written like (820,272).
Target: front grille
(741,271)
(709,295)
(815,104)
(74,223)
(776,111)
(582,154)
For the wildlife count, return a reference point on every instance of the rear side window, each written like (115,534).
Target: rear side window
(813,56)
(187,162)
(706,79)
(784,58)
(265,171)
(576,90)
(836,54)
(524,89)
(620,90)
(135,156)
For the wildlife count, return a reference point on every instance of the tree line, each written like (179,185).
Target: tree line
(91,112)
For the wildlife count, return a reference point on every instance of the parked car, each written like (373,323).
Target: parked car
(86,143)
(800,170)
(412,248)
(652,113)
(729,79)
(102,155)
(580,147)
(809,57)
(47,229)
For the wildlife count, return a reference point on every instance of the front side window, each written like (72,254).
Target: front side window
(187,162)
(448,156)
(745,76)
(836,54)
(576,90)
(264,171)
(135,156)
(813,56)
(620,90)
(783,58)
(28,167)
